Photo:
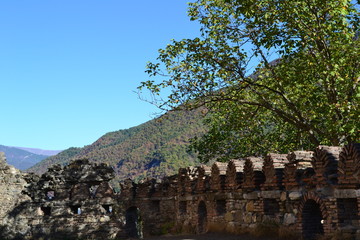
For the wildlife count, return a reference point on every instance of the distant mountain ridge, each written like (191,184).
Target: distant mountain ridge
(156,148)
(40,151)
(20,158)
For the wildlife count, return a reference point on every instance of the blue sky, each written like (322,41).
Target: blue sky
(69,68)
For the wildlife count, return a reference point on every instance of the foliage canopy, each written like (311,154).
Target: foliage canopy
(274,75)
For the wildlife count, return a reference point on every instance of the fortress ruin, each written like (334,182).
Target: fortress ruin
(308,192)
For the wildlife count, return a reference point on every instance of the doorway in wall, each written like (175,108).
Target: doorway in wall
(202,217)
(133,223)
(312,224)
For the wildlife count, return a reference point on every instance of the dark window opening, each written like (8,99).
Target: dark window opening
(108,208)
(46,211)
(155,205)
(239,177)
(50,195)
(259,178)
(222,181)
(220,207)
(347,211)
(182,207)
(271,206)
(76,209)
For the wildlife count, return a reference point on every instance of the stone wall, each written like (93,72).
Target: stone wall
(304,192)
(75,201)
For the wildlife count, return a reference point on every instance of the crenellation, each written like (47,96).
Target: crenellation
(234,175)
(349,166)
(203,178)
(218,174)
(273,169)
(249,176)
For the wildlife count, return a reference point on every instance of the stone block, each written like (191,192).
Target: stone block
(270,194)
(283,196)
(248,218)
(289,219)
(249,207)
(229,217)
(257,218)
(295,195)
(347,193)
(238,216)
(105,219)
(295,211)
(250,196)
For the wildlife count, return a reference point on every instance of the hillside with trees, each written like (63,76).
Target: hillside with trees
(153,149)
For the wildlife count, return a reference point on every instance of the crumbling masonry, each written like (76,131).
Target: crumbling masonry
(309,192)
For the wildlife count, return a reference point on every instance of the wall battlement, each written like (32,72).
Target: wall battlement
(306,192)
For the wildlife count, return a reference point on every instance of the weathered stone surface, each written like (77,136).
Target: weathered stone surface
(295,195)
(271,194)
(248,218)
(229,217)
(250,206)
(289,219)
(347,193)
(251,195)
(61,201)
(283,196)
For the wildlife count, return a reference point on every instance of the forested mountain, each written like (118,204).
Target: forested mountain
(19,158)
(153,149)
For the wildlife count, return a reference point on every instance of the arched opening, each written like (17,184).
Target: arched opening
(312,220)
(202,217)
(133,223)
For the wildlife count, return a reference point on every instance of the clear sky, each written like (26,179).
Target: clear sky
(69,68)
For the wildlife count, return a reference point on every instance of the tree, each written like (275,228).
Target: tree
(274,75)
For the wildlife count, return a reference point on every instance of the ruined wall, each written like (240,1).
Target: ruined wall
(12,183)
(75,201)
(305,192)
